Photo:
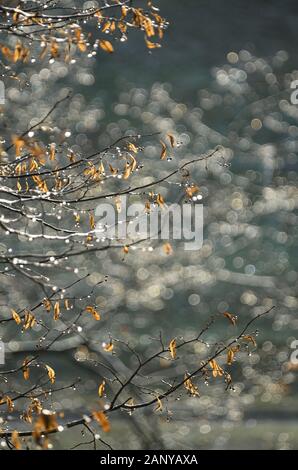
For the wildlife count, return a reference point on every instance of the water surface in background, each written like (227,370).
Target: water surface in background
(200,35)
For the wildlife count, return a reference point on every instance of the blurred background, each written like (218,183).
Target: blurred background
(222,77)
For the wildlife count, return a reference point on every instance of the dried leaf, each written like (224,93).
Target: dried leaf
(230,356)
(7,52)
(27,416)
(15,440)
(102,419)
(17,52)
(172,140)
(82,45)
(56,310)
(92,221)
(106,26)
(6,399)
(106,45)
(132,147)
(29,320)
(190,387)
(160,200)
(16,317)
(148,26)
(163,150)
(159,404)
(133,163)
(47,305)
(108,347)
(26,371)
(52,152)
(191,190)
(36,406)
(127,171)
(93,312)
(230,317)
(147,207)
(51,374)
(250,339)
(152,45)
(54,49)
(172,348)
(113,170)
(101,168)
(216,369)
(45,423)
(71,156)
(167,248)
(101,388)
